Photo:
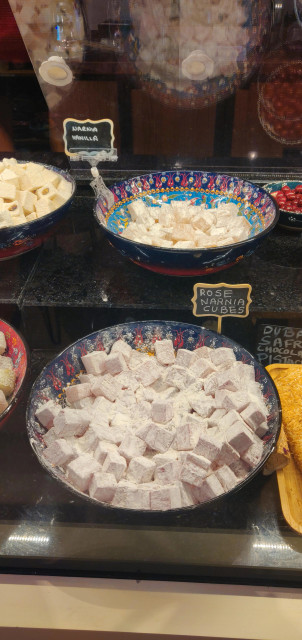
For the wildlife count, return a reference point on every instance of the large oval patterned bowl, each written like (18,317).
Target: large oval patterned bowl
(142,336)
(197,187)
(24,237)
(18,352)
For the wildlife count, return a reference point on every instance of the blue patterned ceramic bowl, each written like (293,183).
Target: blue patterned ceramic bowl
(288,219)
(28,236)
(197,187)
(66,367)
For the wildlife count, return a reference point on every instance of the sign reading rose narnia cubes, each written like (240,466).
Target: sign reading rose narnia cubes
(221,300)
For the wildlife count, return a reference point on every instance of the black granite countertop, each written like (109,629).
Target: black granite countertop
(75,283)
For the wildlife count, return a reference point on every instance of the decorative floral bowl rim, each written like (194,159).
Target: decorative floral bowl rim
(131,185)
(136,332)
(23,369)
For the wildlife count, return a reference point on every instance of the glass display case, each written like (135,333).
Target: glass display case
(189,85)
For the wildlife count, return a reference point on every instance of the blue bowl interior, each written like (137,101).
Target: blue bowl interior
(66,367)
(196,186)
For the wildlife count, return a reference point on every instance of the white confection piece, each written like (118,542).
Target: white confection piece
(253,455)
(167,472)
(195,469)
(162,458)
(210,384)
(239,437)
(106,386)
(216,417)
(127,380)
(162,411)
(126,399)
(156,437)
(50,436)
(121,420)
(90,439)
(10,177)
(8,191)
(111,434)
(176,377)
(148,372)
(43,206)
(14,208)
(228,454)
(115,464)
(77,392)
(262,429)
(94,362)
(59,453)
(103,448)
(81,470)
(3,402)
(201,368)
(141,469)
(204,407)
(6,220)
(237,400)
(208,446)
(129,496)
(32,216)
(164,352)
(226,477)
(201,352)
(223,357)
(209,488)
(229,379)
(86,377)
(71,422)
(47,191)
(122,347)
(246,371)
(24,182)
(132,446)
(137,358)
(115,363)
(3,345)
(84,403)
(254,414)
(102,486)
(47,412)
(186,437)
(164,498)
(102,409)
(146,393)
(183,358)
(240,468)
(57,201)
(27,200)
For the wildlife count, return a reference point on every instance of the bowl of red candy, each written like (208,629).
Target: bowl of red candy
(280,103)
(288,195)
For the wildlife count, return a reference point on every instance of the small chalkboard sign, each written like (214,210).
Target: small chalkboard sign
(221,300)
(278,344)
(88,137)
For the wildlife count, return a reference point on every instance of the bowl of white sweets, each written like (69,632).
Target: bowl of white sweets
(33,199)
(153,416)
(186,223)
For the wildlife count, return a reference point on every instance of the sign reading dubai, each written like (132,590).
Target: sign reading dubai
(221,300)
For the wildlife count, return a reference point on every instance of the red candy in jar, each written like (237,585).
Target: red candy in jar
(289,199)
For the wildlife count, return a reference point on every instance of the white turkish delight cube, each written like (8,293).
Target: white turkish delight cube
(209,489)
(103,448)
(91,438)
(164,352)
(129,496)
(125,400)
(223,357)
(165,498)
(127,380)
(226,477)
(137,358)
(59,453)
(81,470)
(84,403)
(215,421)
(47,412)
(5,361)
(240,468)
(194,469)
(121,420)
(140,413)
(103,486)
(186,494)
(202,368)
(47,191)
(132,446)
(237,400)
(77,392)
(3,402)
(230,417)
(176,377)
(145,393)
(156,437)
(86,377)
(111,434)
(253,454)
(162,458)
(245,371)
(228,454)
(102,408)
(148,372)
(71,422)
(229,379)
(186,437)
(122,347)
(115,463)
(43,206)
(106,386)
(115,363)
(202,352)
(239,437)
(162,411)
(183,358)
(254,414)
(262,429)
(210,384)
(204,407)
(141,469)
(167,472)
(94,362)
(8,191)
(208,446)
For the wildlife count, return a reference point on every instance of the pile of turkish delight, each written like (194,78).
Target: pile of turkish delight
(182,225)
(157,432)
(29,191)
